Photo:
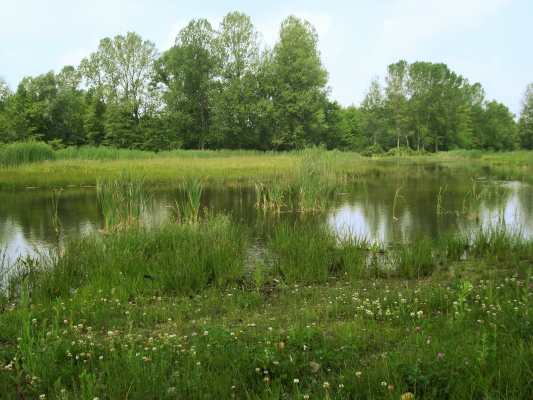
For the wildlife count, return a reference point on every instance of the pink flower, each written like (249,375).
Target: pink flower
(407,330)
(417,328)
(440,355)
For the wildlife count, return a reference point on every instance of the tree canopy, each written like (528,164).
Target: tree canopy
(223,88)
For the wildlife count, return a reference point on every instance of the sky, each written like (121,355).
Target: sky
(485,41)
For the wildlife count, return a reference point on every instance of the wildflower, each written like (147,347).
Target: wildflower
(306,397)
(407,330)
(358,374)
(407,396)
(326,385)
(257,370)
(266,379)
(296,381)
(341,385)
(390,387)
(34,321)
(383,384)
(417,328)
(42,396)
(440,355)
(206,333)
(314,367)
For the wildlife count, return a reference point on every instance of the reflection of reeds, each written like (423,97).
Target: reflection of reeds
(122,201)
(440,209)
(396,197)
(55,204)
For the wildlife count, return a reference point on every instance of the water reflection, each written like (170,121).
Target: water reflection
(360,208)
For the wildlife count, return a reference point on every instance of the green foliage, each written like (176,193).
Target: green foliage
(400,152)
(373,151)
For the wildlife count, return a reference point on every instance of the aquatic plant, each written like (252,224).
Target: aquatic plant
(25,152)
(122,201)
(192,188)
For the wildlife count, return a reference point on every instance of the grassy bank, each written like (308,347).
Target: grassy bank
(192,311)
(85,166)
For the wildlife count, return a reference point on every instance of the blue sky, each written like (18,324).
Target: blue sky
(486,41)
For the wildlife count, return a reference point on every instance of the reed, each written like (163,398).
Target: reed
(313,181)
(25,152)
(192,188)
(122,201)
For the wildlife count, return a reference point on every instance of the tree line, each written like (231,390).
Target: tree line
(223,88)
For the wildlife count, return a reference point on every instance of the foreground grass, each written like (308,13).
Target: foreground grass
(175,312)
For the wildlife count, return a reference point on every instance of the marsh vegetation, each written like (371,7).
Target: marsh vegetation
(209,305)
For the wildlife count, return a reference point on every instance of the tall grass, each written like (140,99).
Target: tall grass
(168,259)
(463,153)
(306,254)
(192,188)
(313,180)
(25,152)
(109,153)
(122,201)
(416,258)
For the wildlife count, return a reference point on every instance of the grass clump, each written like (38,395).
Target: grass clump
(122,201)
(417,258)
(305,254)
(25,152)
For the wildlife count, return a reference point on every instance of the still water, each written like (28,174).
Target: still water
(379,209)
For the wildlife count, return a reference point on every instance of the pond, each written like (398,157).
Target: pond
(380,209)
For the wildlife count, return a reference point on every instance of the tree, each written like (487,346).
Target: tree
(186,72)
(372,110)
(300,93)
(525,123)
(121,71)
(397,100)
(237,53)
(5,95)
(499,130)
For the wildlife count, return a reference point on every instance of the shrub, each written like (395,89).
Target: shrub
(373,151)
